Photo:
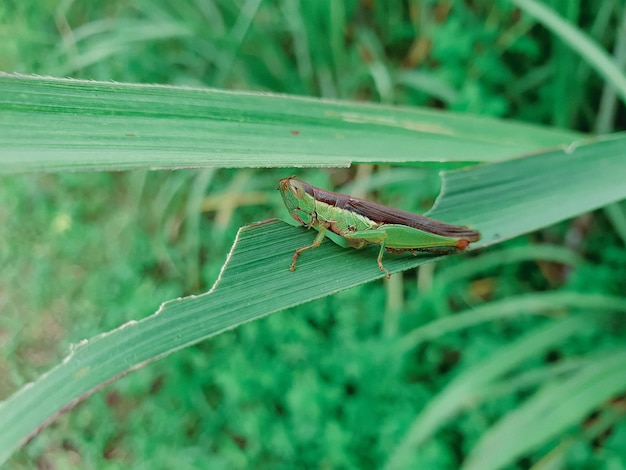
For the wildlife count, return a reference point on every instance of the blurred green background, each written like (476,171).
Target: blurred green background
(317,386)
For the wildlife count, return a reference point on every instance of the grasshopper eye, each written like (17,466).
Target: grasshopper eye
(297,189)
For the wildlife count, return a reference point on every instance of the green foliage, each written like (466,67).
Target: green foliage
(340,381)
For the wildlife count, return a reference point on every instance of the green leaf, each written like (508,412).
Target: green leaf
(501,200)
(59,124)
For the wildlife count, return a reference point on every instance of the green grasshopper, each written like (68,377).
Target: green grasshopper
(358,223)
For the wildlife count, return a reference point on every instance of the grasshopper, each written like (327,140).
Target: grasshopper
(359,223)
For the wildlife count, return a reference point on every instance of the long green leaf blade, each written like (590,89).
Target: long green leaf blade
(59,125)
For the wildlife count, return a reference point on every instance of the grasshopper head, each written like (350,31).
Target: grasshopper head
(297,201)
(292,185)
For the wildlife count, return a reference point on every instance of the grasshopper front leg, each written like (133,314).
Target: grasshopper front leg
(322,229)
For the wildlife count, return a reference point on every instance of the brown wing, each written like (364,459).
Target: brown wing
(390,215)
(329,197)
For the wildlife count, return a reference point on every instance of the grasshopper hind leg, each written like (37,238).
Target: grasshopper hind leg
(380,259)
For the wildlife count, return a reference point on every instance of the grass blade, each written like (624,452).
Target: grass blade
(71,125)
